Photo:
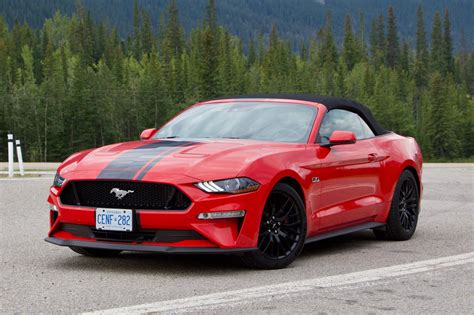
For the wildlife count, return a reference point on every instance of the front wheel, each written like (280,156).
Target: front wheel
(282,230)
(403,217)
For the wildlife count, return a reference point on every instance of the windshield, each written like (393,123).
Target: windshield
(267,121)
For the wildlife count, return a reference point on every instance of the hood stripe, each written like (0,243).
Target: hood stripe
(150,165)
(127,164)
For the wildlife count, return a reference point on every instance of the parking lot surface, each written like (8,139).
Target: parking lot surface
(431,273)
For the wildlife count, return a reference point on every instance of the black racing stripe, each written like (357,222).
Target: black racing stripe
(130,162)
(159,158)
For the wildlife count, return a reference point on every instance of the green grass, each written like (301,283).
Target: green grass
(457,160)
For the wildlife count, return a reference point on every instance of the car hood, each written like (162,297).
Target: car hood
(166,159)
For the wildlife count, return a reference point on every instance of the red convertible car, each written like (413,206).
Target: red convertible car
(254,176)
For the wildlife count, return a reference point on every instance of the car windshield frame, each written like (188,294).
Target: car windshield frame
(263,115)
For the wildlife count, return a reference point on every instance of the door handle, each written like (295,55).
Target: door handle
(373,157)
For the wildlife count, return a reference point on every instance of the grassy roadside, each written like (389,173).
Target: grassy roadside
(459,160)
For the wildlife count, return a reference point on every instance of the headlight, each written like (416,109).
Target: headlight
(237,185)
(58,180)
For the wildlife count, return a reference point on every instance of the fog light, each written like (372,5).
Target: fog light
(221,215)
(52,207)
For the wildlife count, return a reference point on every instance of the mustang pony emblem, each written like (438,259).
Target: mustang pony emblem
(119,194)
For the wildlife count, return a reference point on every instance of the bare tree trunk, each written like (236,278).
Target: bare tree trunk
(46,132)
(38,133)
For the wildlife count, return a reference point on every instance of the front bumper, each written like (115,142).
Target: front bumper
(214,236)
(148,248)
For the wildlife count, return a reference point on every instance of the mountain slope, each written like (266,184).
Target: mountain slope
(296,20)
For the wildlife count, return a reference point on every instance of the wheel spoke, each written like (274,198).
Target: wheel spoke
(291,224)
(402,218)
(409,191)
(287,212)
(273,209)
(289,229)
(408,204)
(267,245)
(263,239)
(277,250)
(285,245)
(287,201)
(289,238)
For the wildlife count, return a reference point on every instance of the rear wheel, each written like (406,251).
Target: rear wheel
(95,252)
(403,217)
(282,230)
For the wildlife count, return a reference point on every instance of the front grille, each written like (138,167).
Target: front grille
(140,195)
(140,235)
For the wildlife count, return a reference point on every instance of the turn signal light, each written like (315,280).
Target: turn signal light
(221,215)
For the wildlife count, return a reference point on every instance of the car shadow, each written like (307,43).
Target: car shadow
(146,263)
(202,265)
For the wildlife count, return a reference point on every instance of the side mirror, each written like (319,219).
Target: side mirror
(148,133)
(339,137)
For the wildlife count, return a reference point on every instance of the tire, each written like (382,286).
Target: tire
(95,252)
(282,230)
(403,217)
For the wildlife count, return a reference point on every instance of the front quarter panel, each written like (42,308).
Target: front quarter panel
(295,164)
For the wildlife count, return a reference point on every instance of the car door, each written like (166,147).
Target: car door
(348,174)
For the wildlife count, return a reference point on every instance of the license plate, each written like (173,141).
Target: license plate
(114,219)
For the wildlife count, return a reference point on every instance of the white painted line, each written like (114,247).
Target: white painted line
(33,172)
(244,295)
(26,178)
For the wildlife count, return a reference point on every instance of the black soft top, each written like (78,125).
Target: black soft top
(329,102)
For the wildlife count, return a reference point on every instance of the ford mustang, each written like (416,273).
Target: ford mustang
(254,176)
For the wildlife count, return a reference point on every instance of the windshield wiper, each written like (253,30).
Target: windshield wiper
(169,137)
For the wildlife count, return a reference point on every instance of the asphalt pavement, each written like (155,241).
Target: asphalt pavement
(431,273)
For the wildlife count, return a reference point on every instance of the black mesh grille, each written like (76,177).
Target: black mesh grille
(139,235)
(139,195)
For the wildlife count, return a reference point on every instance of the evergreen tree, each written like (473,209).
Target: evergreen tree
(377,41)
(252,54)
(211,16)
(405,57)
(147,39)
(442,128)
(208,54)
(393,49)
(447,44)
(437,52)
(328,48)
(136,42)
(421,62)
(349,46)
(173,39)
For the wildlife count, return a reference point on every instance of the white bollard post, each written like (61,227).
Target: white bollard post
(10,155)
(20,157)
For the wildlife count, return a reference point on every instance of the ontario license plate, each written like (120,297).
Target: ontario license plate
(114,219)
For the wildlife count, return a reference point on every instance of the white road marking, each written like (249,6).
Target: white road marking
(244,295)
(26,178)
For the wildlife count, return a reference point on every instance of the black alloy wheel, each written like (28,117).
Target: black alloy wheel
(403,217)
(408,204)
(282,230)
